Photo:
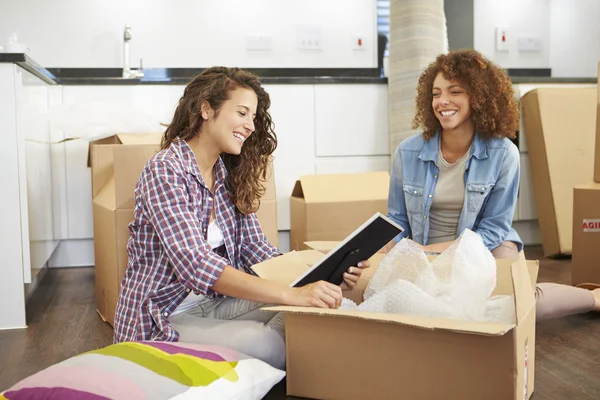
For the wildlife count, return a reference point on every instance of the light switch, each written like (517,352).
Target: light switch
(502,35)
(359,43)
(258,42)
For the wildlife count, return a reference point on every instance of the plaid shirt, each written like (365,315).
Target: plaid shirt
(168,253)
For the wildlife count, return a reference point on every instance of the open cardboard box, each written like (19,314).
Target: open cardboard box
(116,163)
(331,206)
(337,354)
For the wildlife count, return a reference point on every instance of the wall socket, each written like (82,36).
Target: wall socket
(529,44)
(308,37)
(258,42)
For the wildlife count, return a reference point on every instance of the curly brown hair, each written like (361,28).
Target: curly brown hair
(246,173)
(493,105)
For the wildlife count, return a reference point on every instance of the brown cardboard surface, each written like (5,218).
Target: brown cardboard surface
(559,126)
(336,188)
(585,267)
(597,153)
(330,207)
(397,356)
(116,164)
(344,358)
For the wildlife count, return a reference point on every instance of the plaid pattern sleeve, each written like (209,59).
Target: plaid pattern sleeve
(255,247)
(178,228)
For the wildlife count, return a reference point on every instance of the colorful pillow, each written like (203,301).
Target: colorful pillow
(151,370)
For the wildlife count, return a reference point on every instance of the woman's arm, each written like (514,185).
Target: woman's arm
(497,216)
(165,200)
(396,204)
(241,285)
(255,247)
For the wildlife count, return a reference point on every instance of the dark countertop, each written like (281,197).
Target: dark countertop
(25,62)
(182,76)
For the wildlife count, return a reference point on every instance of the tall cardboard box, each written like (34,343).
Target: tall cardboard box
(560,129)
(340,354)
(597,156)
(585,266)
(116,164)
(330,207)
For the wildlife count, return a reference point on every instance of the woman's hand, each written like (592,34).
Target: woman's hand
(319,294)
(353,274)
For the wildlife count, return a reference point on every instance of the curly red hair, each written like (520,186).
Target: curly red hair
(493,105)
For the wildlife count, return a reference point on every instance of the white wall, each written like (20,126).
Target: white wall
(523,18)
(191,33)
(575,38)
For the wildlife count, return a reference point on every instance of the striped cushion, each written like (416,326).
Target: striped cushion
(151,370)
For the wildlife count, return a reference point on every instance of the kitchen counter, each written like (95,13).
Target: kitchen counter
(27,63)
(182,76)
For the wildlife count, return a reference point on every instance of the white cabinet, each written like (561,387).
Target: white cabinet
(292,110)
(312,138)
(27,229)
(351,120)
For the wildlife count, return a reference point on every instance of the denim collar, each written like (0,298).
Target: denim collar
(430,150)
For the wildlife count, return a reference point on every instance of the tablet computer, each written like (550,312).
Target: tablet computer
(360,245)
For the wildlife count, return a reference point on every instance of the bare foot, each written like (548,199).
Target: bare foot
(596,293)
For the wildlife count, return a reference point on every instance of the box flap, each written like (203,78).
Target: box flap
(283,269)
(106,196)
(482,328)
(124,138)
(140,138)
(343,187)
(324,246)
(524,293)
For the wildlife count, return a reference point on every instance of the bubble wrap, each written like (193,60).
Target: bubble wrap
(458,284)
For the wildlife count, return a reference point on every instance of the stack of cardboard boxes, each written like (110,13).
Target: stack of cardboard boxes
(586,220)
(559,126)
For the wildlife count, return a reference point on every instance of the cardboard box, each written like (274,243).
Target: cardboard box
(116,163)
(585,267)
(336,354)
(560,126)
(597,154)
(330,207)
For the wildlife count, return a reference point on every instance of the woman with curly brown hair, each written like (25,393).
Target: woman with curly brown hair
(195,236)
(462,171)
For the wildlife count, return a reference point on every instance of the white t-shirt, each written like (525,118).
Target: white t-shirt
(215,239)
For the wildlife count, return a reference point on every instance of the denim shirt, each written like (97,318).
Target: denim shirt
(492,175)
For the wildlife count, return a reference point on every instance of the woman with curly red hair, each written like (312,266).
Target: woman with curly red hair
(462,171)
(195,237)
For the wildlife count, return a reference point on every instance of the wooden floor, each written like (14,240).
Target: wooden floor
(63,322)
